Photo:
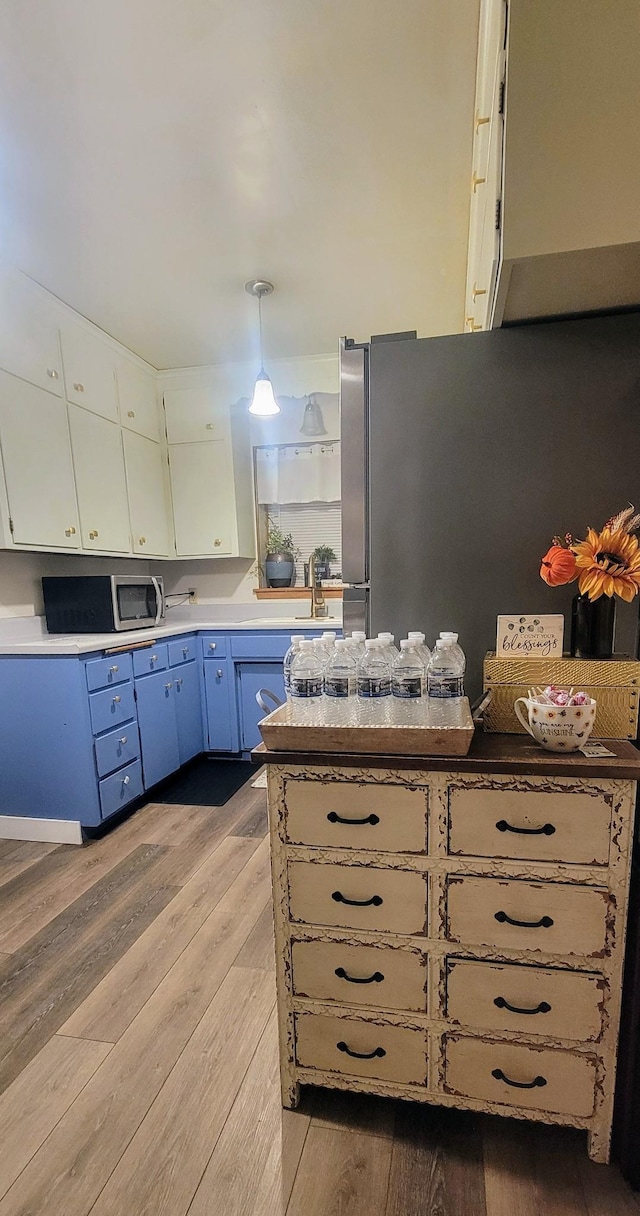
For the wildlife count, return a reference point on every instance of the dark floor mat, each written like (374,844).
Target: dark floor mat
(206,782)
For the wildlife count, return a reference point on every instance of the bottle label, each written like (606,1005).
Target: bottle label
(409,688)
(287,682)
(374,686)
(445,686)
(337,686)
(306,686)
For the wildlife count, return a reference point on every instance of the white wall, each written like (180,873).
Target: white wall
(20,575)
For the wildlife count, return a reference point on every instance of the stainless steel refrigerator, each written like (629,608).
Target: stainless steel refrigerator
(462,456)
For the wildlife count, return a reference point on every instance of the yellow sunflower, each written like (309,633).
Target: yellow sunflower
(608,562)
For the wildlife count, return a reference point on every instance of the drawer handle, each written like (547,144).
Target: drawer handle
(78,387)
(169,684)
(178,683)
(376,900)
(123,740)
(185,649)
(537,1082)
(376,978)
(545,922)
(219,673)
(500,1003)
(333,817)
(547,829)
(114,668)
(117,700)
(212,645)
(362,1055)
(126,780)
(154,658)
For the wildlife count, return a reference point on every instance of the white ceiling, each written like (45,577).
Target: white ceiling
(155,154)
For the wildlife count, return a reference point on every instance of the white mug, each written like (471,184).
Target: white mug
(559,728)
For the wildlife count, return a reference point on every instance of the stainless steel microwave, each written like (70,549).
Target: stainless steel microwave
(102,603)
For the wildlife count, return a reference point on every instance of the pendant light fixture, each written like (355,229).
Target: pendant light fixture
(313,422)
(263,402)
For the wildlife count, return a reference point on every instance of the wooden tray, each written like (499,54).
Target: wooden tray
(433,737)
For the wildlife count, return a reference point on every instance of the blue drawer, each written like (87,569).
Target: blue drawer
(120,788)
(119,747)
(214,648)
(152,658)
(102,673)
(111,707)
(183,651)
(261,646)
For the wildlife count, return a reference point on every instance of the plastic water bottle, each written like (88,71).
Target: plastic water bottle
(321,651)
(374,685)
(357,641)
(306,685)
(340,679)
(329,639)
(296,639)
(423,649)
(445,672)
(390,650)
(408,684)
(453,639)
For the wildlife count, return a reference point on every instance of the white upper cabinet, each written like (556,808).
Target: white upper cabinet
(199,415)
(29,344)
(98,461)
(138,398)
(148,509)
(203,500)
(89,371)
(36,457)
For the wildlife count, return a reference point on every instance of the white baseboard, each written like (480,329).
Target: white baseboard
(56,831)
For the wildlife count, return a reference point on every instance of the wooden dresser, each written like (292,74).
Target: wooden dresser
(452,931)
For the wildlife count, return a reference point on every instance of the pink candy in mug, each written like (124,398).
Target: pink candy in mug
(564,696)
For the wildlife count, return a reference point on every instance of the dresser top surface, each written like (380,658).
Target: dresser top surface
(489,753)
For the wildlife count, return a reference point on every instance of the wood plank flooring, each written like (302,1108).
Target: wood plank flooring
(139,1061)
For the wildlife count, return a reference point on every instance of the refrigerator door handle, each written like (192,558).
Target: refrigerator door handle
(353,414)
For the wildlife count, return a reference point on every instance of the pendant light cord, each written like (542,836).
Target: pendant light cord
(260,331)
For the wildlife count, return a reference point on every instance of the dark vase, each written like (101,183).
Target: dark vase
(592,627)
(280,569)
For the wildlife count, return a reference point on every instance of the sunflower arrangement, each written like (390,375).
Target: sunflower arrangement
(605,563)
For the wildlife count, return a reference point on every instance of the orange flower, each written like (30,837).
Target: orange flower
(558,566)
(608,562)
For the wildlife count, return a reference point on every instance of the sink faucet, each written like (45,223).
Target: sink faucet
(318,602)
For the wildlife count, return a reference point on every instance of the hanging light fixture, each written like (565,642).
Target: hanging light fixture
(312,422)
(263,402)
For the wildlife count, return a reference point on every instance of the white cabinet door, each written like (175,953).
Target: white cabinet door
(98,461)
(147,499)
(89,371)
(199,414)
(36,455)
(138,400)
(202,489)
(29,345)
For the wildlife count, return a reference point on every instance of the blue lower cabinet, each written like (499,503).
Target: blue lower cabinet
(186,684)
(221,719)
(120,788)
(158,726)
(251,677)
(117,748)
(111,707)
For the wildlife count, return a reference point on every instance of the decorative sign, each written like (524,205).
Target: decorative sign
(530,637)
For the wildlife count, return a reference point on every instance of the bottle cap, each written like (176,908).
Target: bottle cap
(386,637)
(450,637)
(342,643)
(415,636)
(297,637)
(331,635)
(372,643)
(406,643)
(306,644)
(358,636)
(318,643)
(442,643)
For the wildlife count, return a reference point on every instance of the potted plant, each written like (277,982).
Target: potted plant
(281,557)
(323,554)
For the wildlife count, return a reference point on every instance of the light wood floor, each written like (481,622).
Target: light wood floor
(138,1057)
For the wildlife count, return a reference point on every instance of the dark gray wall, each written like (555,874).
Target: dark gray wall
(481,448)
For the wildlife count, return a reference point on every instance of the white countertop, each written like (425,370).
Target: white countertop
(62,643)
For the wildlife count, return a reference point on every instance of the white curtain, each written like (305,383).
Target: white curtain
(300,473)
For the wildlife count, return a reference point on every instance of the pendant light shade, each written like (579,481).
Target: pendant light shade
(263,402)
(312,422)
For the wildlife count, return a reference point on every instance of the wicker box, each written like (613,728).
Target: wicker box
(613,683)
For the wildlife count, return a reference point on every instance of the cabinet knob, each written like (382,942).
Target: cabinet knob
(217,542)
(210,426)
(131,413)
(70,531)
(79,387)
(142,540)
(178,683)
(154,658)
(93,534)
(471,324)
(212,645)
(116,700)
(126,780)
(477,181)
(114,668)
(185,650)
(51,371)
(478,291)
(219,673)
(480,121)
(123,740)
(169,685)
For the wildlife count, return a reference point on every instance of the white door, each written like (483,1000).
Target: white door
(98,461)
(200,415)
(138,400)
(89,371)
(202,489)
(147,499)
(36,454)
(29,345)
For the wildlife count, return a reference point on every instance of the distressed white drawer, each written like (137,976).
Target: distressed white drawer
(360,975)
(390,818)
(533,1000)
(361,1049)
(530,824)
(512,1074)
(361,897)
(553,917)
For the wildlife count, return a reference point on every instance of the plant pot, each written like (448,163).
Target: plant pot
(592,627)
(280,569)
